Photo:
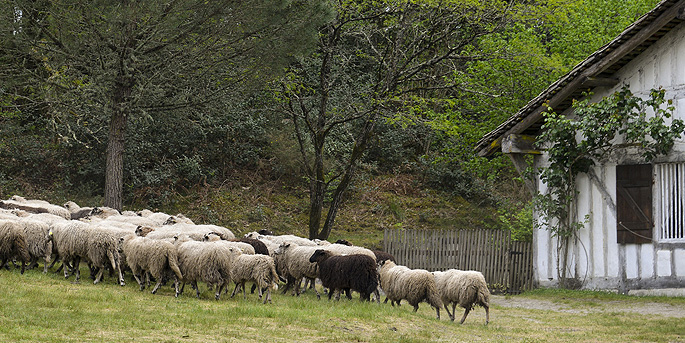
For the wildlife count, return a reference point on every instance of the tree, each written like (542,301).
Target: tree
(371,62)
(104,64)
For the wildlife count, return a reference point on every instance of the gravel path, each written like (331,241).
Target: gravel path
(676,310)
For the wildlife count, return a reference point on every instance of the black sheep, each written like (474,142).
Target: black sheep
(345,273)
(383,256)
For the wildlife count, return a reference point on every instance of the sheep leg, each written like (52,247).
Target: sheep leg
(159,283)
(268,295)
(77,269)
(66,268)
(93,270)
(487,314)
(237,284)
(45,265)
(183,285)
(197,289)
(348,294)
(451,315)
(416,307)
(298,282)
(219,288)
(176,287)
(378,296)
(61,266)
(261,292)
(330,294)
(253,288)
(318,296)
(242,286)
(98,275)
(287,285)
(23,267)
(437,312)
(53,263)
(466,313)
(140,283)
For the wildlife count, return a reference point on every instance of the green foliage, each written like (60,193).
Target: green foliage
(573,29)
(518,221)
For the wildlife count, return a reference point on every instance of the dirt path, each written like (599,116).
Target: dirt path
(676,310)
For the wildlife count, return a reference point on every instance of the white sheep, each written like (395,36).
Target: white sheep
(103,250)
(77,212)
(223,232)
(209,262)
(259,269)
(134,221)
(464,288)
(341,249)
(38,240)
(70,244)
(103,212)
(414,285)
(156,257)
(389,280)
(293,264)
(35,206)
(280,239)
(196,232)
(12,243)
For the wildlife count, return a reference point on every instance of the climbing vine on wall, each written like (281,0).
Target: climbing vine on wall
(574,144)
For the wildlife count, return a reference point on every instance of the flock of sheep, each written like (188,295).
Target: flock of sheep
(158,247)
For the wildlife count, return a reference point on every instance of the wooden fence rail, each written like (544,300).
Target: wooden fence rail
(506,264)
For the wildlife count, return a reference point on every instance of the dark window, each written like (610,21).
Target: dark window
(634,203)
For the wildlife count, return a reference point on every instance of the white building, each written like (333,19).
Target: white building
(635,237)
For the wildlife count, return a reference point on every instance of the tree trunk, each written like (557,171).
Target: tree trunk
(357,153)
(114,173)
(121,109)
(317,190)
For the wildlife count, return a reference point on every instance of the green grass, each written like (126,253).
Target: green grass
(41,308)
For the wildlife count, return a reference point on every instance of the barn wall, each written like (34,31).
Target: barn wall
(598,261)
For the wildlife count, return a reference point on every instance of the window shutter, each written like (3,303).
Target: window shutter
(634,203)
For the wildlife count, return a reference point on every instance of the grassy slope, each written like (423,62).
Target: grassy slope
(42,308)
(371,207)
(249,203)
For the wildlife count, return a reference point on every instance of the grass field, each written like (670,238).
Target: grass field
(40,307)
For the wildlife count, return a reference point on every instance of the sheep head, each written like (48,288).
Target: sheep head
(320,255)
(282,248)
(265,232)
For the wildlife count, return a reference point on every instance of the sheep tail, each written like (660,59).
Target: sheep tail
(22,248)
(274,278)
(173,264)
(484,296)
(433,295)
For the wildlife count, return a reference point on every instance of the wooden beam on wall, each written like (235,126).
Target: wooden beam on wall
(592,82)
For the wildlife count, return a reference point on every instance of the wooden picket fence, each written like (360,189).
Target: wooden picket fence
(507,265)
